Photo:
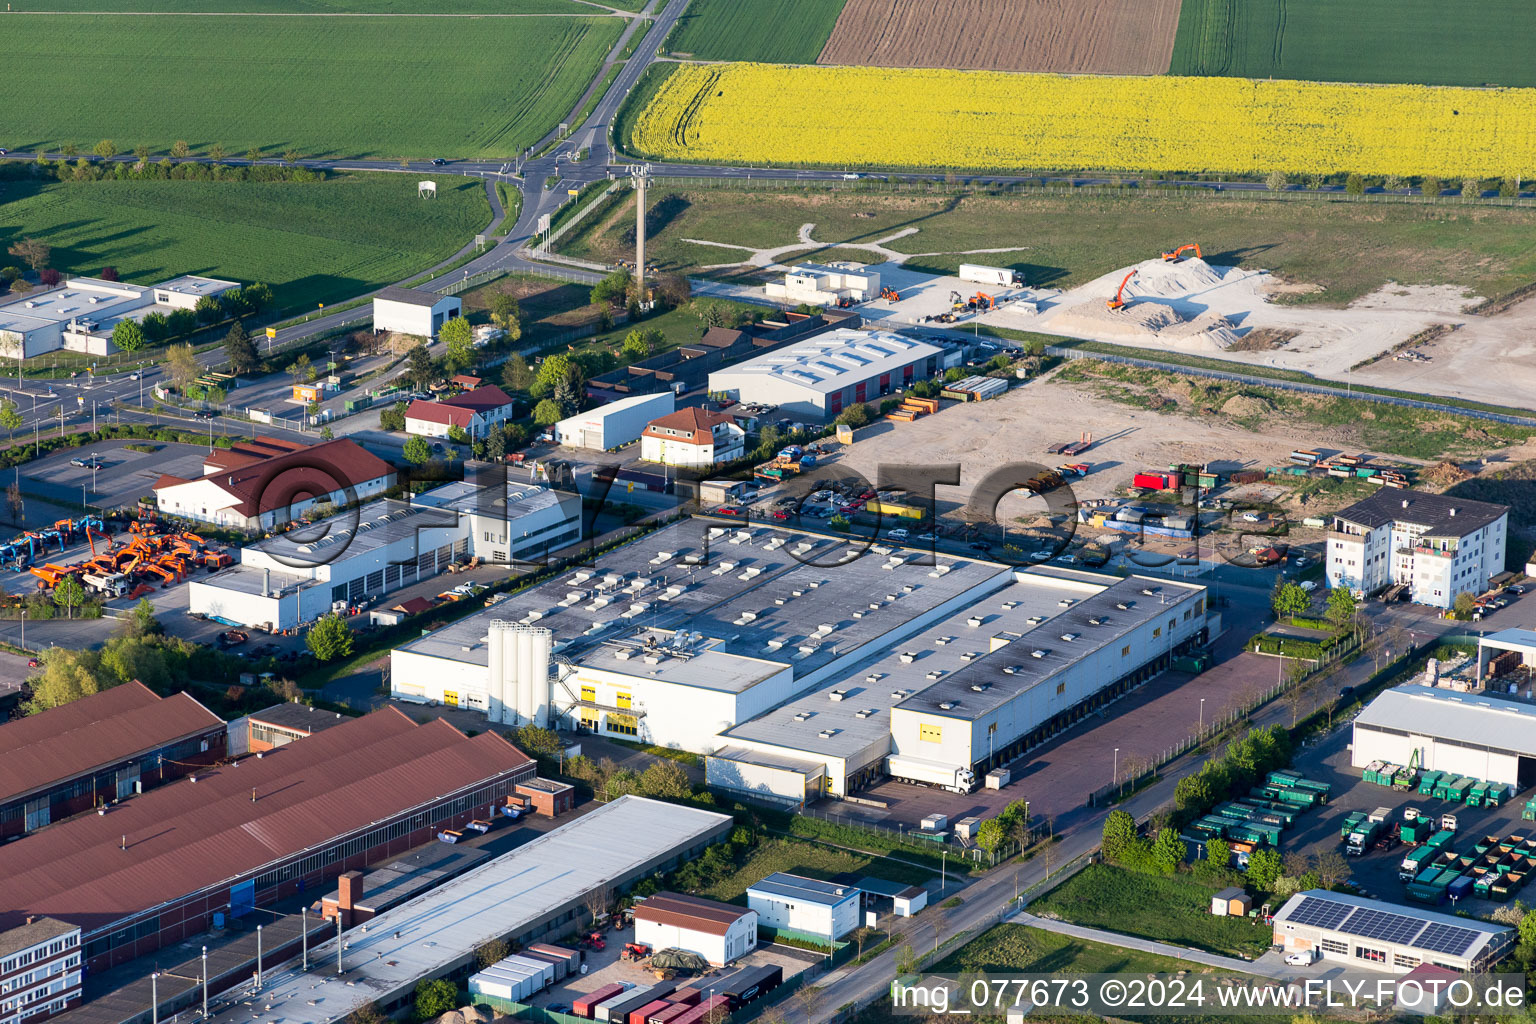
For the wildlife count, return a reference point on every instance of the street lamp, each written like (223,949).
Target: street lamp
(1202,714)
(1116,777)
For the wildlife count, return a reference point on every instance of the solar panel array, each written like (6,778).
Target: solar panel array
(1385,926)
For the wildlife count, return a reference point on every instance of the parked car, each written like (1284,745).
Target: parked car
(897,534)
(205,414)
(1309,585)
(1301,958)
(1517,590)
(730,510)
(779,514)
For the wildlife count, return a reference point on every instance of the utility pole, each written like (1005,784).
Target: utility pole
(205,981)
(304,934)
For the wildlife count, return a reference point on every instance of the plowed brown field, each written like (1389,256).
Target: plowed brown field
(1122,37)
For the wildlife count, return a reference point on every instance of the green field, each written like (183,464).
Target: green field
(1348,249)
(1174,910)
(314,242)
(769,31)
(1421,41)
(451,87)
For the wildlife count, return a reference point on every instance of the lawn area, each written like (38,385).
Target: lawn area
(318,85)
(1174,910)
(1367,41)
(1349,249)
(312,242)
(811,860)
(1393,430)
(770,31)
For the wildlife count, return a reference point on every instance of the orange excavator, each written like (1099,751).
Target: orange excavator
(155,570)
(1178,254)
(1118,302)
(983,301)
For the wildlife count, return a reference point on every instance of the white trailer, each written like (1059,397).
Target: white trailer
(930,773)
(999,277)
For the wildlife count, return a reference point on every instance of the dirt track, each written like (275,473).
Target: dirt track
(1125,37)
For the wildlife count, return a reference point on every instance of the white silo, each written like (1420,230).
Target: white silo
(519,673)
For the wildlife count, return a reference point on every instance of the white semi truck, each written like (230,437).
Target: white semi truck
(930,773)
(997,277)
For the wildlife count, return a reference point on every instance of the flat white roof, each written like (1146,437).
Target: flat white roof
(1470,719)
(1514,639)
(832,361)
(506,896)
(596,415)
(84,298)
(195,285)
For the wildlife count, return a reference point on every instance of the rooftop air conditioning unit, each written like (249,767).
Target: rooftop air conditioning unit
(837,695)
(801,716)
(937,673)
(874,677)
(1149,591)
(1122,606)
(1094,620)
(947,705)
(974,621)
(1069,637)
(1066,602)
(908,657)
(1039,652)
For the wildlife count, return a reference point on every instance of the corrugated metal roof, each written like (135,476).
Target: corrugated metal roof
(690,912)
(804,890)
(190,835)
(93,732)
(1472,720)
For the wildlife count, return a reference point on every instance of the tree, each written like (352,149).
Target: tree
(665,779)
(233,303)
(1340,609)
(674,290)
(493,952)
(612,289)
(1276,181)
(990,835)
(181,365)
(10,416)
(14,503)
(258,297)
(182,322)
(105,149)
(1354,185)
(253,154)
(1218,852)
(1168,851)
(517,374)
(1471,188)
(713,314)
(141,152)
(856,415)
(141,621)
(155,327)
(507,314)
(291,156)
(537,741)
(330,638)
(216,152)
(1119,834)
(547,413)
(33,252)
(108,274)
(457,434)
(48,277)
(1431,186)
(327,434)
(1464,605)
(301,369)
(240,350)
(1289,600)
(393,418)
(435,997)
(417,451)
(1264,868)
(209,310)
(459,338)
(640,343)
(68,593)
(552,370)
(128,336)
(19,286)
(1331,868)
(418,366)
(495,445)
(180,150)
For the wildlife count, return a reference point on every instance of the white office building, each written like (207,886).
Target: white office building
(718,932)
(79,314)
(820,377)
(1435,545)
(414,311)
(615,424)
(806,907)
(822,285)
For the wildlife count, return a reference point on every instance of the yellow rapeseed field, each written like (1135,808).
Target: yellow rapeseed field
(843,116)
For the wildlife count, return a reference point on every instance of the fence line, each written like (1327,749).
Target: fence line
(1289,385)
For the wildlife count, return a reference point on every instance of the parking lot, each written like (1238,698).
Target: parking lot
(1375,872)
(123,476)
(603,967)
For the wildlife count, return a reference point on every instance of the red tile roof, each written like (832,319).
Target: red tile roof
(457,411)
(699,425)
(42,750)
(465,380)
(245,453)
(188,836)
(414,606)
(276,481)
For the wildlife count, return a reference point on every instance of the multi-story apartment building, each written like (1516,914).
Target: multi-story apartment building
(1436,545)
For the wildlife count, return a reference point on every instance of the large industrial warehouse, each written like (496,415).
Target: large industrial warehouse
(802,667)
(1389,937)
(159,868)
(534,891)
(821,376)
(99,749)
(1484,737)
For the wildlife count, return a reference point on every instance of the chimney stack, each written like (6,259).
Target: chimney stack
(266,583)
(253,794)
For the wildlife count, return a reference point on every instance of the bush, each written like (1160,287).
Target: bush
(1355,185)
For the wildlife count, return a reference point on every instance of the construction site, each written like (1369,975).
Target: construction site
(136,564)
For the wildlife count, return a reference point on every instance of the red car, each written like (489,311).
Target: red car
(730,510)
(779,514)
(33,663)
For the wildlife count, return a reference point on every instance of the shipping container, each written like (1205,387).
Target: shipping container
(1152,481)
(668,1013)
(616,1008)
(583,1005)
(689,996)
(560,964)
(703,1010)
(1306,456)
(642,1015)
(573,957)
(751,983)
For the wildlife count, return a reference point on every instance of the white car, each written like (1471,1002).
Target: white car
(850,177)
(1309,585)
(1300,958)
(1252,517)
(1040,556)
(897,535)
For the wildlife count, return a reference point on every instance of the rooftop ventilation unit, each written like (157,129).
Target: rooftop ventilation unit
(908,657)
(1039,652)
(970,655)
(1069,637)
(1035,620)
(827,734)
(980,687)
(865,713)
(1011,670)
(874,677)
(802,716)
(942,570)
(837,695)
(947,705)
(1122,606)
(1149,591)
(1094,620)
(1066,602)
(974,621)
(937,673)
